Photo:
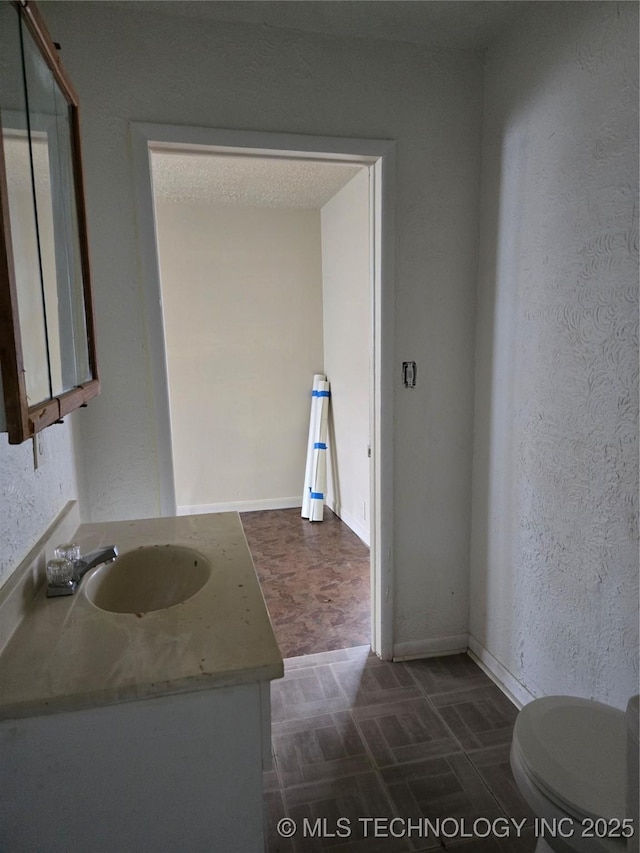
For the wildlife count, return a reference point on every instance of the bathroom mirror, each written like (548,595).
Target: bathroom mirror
(47,333)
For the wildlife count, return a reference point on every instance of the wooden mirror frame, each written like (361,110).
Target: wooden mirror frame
(24,421)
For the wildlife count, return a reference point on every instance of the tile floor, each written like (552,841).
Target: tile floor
(355,737)
(315,580)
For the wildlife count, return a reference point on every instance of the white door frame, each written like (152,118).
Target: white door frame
(379,156)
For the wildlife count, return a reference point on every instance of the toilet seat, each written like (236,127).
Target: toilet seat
(574,750)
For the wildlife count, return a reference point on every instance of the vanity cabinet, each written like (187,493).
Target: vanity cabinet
(171,774)
(136,732)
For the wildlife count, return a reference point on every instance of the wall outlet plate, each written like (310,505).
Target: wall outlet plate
(39,456)
(409,374)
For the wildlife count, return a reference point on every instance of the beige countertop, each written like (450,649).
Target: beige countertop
(67,654)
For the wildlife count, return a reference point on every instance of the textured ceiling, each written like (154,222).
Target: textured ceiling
(462,24)
(459,24)
(226,180)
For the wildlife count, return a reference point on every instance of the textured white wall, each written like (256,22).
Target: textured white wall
(554,558)
(128,65)
(242,303)
(346,288)
(30,500)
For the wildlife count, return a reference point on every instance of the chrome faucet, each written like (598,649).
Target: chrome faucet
(67,585)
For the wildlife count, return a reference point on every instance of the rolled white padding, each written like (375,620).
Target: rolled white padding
(319,468)
(314,425)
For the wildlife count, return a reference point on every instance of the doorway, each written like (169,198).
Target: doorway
(377,157)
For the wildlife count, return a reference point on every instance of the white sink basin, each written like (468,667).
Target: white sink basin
(147,579)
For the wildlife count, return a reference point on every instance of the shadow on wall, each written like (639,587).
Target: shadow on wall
(554,542)
(334,480)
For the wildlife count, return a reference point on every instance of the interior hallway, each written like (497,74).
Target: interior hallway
(315,580)
(354,736)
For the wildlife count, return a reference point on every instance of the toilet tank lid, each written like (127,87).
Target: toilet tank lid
(575,749)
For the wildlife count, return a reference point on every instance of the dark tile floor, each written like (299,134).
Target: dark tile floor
(355,737)
(315,580)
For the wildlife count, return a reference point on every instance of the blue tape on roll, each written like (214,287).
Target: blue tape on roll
(319,445)
(317,496)
(321,393)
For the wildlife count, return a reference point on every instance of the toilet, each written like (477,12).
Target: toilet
(569,758)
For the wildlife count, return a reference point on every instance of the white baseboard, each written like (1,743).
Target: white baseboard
(434,647)
(273,503)
(241,506)
(499,674)
(359,528)
(460,643)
